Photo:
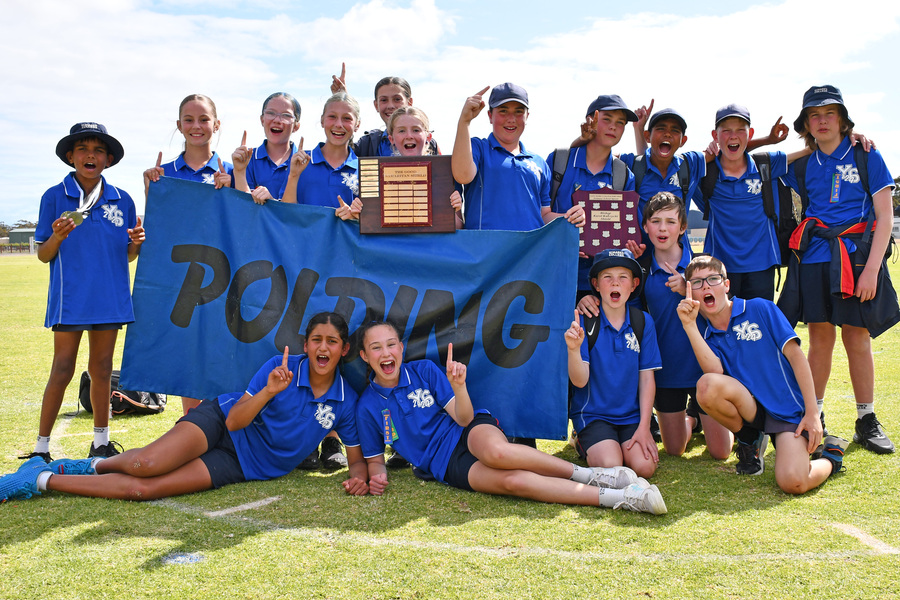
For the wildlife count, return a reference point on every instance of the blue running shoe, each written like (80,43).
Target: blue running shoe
(23,483)
(73,466)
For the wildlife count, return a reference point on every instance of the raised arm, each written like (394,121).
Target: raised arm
(299,162)
(461,161)
(246,409)
(688,310)
(777,134)
(579,371)
(643,115)
(240,158)
(460,408)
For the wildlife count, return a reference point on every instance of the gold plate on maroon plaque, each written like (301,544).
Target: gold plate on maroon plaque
(406,194)
(611,219)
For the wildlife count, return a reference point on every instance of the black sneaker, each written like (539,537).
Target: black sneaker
(30,455)
(332,456)
(106,450)
(396,461)
(871,436)
(654,428)
(530,442)
(750,457)
(822,420)
(311,462)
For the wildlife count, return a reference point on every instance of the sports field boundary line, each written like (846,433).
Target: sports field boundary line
(401,543)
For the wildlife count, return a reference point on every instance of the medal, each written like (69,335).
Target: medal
(75,215)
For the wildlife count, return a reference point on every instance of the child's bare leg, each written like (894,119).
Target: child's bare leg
(102,345)
(527,484)
(635,460)
(719,441)
(726,400)
(489,445)
(65,353)
(607,453)
(821,349)
(190,477)
(174,449)
(675,430)
(189,403)
(794,472)
(861,363)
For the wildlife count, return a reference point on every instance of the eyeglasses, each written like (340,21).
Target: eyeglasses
(712,281)
(276,116)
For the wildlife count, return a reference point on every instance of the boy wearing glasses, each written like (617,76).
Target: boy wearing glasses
(756,379)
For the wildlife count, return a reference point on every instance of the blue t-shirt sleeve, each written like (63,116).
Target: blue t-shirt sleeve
(346,425)
(546,178)
(778,324)
(779,164)
(46,217)
(479,146)
(369,427)
(628,159)
(649,355)
(879,176)
(629,181)
(437,383)
(259,381)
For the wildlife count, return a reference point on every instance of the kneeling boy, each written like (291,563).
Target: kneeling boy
(756,379)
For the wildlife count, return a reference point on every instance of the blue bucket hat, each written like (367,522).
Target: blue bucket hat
(820,95)
(88,130)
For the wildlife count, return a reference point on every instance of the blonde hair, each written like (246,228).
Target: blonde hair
(414,112)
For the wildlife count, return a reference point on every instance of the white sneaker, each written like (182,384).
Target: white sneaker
(643,497)
(612,477)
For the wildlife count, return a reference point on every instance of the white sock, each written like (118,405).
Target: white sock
(101,436)
(863,409)
(610,497)
(820,402)
(581,474)
(42,444)
(42,478)
(95,460)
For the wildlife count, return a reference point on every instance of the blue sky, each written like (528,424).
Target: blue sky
(127,64)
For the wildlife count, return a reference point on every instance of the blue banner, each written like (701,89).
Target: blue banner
(223,284)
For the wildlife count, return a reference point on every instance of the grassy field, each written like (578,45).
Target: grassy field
(301,537)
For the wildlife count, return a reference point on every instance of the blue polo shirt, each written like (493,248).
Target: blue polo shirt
(509,190)
(579,177)
(320,185)
(293,423)
(89,277)
(655,181)
(426,434)
(836,195)
(261,171)
(616,361)
(180,169)
(740,234)
(752,351)
(680,368)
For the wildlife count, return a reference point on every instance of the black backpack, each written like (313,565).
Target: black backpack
(561,161)
(122,402)
(637,325)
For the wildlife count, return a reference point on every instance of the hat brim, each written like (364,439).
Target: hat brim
(113,146)
(630,115)
(495,103)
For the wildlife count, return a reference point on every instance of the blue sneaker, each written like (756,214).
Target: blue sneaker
(23,483)
(73,466)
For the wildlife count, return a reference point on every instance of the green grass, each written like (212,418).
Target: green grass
(724,537)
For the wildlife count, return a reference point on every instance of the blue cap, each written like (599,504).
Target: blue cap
(611,102)
(732,110)
(618,258)
(508,92)
(667,113)
(88,130)
(820,95)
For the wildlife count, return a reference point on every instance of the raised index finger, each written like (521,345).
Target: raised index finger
(221,166)
(244,138)
(159,160)
(482,92)
(449,353)
(687,291)
(284,359)
(343,71)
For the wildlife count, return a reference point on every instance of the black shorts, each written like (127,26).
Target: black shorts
(819,304)
(599,431)
(94,327)
(672,400)
(461,460)
(765,422)
(220,457)
(756,284)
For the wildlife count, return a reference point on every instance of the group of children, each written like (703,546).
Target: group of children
(697,338)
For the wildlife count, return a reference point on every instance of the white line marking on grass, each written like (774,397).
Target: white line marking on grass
(249,506)
(331,537)
(873,542)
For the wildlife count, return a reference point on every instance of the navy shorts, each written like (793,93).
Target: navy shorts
(672,400)
(599,431)
(461,460)
(220,457)
(765,422)
(819,304)
(94,327)
(756,284)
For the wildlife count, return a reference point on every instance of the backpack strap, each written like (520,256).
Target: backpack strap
(862,166)
(800,173)
(639,169)
(369,142)
(764,166)
(591,330)
(638,322)
(684,180)
(560,162)
(619,174)
(708,185)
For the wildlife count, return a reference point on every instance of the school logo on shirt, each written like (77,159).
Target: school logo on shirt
(113,214)
(421,398)
(632,343)
(849,173)
(534,168)
(324,415)
(747,332)
(209,178)
(673,180)
(351,180)
(754,186)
